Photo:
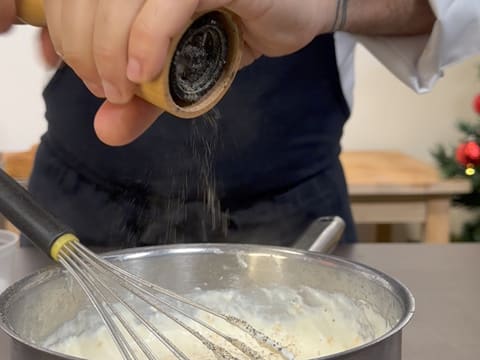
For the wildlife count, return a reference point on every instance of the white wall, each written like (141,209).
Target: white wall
(388,115)
(22,77)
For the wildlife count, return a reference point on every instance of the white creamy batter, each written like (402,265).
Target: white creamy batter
(310,323)
(3,284)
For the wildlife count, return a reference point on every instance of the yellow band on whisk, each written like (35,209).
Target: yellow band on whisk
(60,243)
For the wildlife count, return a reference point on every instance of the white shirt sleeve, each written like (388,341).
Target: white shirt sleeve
(418,61)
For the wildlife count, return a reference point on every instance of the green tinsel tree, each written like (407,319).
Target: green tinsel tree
(464,161)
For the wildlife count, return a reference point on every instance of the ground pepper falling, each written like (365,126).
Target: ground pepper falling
(199,183)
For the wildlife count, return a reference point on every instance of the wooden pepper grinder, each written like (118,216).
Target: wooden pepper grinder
(201,63)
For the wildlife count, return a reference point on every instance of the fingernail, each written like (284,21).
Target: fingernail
(111,92)
(134,70)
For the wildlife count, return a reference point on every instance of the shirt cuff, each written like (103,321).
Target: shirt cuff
(418,61)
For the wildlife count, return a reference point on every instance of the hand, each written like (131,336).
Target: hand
(7,14)
(114,45)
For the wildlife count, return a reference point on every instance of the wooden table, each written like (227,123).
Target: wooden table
(393,188)
(385,188)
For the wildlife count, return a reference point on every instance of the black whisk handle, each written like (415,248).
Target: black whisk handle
(19,207)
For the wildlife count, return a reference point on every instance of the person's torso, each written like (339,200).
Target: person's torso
(280,123)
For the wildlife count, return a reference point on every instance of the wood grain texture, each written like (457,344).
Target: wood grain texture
(19,165)
(394,173)
(388,187)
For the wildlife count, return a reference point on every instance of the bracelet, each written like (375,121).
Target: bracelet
(340,15)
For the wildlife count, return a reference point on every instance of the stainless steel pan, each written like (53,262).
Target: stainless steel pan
(34,307)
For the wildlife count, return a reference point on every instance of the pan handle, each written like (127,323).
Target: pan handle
(322,235)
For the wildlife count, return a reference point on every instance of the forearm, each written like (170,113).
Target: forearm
(7,14)
(383,17)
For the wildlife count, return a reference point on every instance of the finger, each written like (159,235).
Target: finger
(157,23)
(249,55)
(250,9)
(77,42)
(246,9)
(7,14)
(206,5)
(53,15)
(118,125)
(110,44)
(49,56)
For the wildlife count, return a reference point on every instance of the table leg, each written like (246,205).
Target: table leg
(437,224)
(383,233)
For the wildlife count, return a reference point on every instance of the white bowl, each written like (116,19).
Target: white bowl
(9,242)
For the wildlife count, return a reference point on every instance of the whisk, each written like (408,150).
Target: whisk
(118,305)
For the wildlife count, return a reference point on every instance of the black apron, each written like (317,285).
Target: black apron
(257,169)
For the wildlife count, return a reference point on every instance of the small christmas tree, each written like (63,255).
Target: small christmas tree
(464,161)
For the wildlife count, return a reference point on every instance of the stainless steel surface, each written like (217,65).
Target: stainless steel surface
(323,235)
(444,279)
(52,298)
(119,297)
(106,288)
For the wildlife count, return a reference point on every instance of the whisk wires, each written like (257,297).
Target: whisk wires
(95,277)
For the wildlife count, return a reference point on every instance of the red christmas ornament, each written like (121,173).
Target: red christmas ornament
(460,155)
(476,104)
(468,153)
(472,150)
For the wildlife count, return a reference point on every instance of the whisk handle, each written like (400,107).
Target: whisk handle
(19,207)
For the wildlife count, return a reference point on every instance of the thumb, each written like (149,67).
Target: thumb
(246,9)
(49,55)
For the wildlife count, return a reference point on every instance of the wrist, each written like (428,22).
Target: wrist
(340,18)
(332,15)
(380,17)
